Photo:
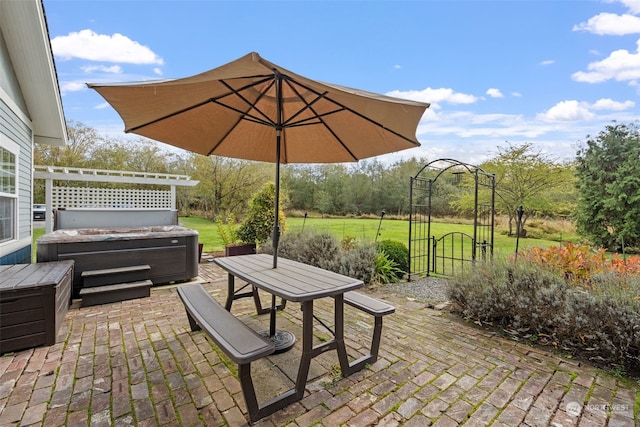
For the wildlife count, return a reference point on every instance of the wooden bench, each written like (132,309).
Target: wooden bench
(242,344)
(378,309)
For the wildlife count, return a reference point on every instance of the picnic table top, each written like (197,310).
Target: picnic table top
(291,280)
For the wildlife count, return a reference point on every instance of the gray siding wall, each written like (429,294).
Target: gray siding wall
(18,132)
(15,129)
(8,80)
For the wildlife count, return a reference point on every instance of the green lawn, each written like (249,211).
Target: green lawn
(362,229)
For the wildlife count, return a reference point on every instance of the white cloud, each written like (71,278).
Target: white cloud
(620,65)
(91,46)
(611,105)
(397,67)
(114,69)
(158,71)
(632,5)
(547,62)
(567,111)
(494,93)
(66,87)
(102,106)
(435,96)
(610,24)
(516,94)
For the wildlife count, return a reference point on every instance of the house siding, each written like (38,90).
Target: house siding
(13,126)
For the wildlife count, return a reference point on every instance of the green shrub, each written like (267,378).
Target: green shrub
(227,228)
(359,262)
(537,303)
(386,270)
(257,227)
(319,249)
(325,251)
(398,253)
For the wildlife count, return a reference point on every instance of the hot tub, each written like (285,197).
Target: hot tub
(171,251)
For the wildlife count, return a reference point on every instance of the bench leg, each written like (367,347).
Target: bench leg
(349,368)
(248,391)
(258,411)
(192,323)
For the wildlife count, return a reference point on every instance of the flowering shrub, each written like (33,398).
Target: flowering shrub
(579,263)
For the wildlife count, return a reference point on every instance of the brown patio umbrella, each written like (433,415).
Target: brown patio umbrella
(253,109)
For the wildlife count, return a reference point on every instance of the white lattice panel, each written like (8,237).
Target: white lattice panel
(109,198)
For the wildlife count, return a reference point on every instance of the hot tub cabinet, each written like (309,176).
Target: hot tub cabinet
(171,251)
(34,299)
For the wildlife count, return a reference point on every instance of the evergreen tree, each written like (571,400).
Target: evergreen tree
(608,185)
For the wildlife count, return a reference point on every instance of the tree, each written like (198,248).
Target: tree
(81,141)
(523,178)
(77,152)
(608,184)
(225,184)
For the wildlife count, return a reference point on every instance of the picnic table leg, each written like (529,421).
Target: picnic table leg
(307,347)
(232,296)
(231,291)
(343,358)
(265,310)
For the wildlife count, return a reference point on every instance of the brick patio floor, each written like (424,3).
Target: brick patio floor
(137,363)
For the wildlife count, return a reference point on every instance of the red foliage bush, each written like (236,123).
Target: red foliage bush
(579,263)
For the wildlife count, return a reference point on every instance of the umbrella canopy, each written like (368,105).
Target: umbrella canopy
(253,109)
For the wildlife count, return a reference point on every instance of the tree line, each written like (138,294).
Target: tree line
(525,177)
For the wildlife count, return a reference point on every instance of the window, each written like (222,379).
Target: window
(8,195)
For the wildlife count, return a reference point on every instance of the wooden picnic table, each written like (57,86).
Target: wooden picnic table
(297,282)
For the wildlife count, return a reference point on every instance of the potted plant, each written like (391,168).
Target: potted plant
(233,245)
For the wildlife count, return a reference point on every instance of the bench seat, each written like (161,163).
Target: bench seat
(378,309)
(242,344)
(368,304)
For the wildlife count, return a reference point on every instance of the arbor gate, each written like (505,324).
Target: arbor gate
(455,250)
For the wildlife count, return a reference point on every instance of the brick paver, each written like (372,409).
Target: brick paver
(137,363)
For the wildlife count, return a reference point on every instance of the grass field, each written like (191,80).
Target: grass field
(361,229)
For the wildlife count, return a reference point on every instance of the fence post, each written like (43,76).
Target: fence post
(519,213)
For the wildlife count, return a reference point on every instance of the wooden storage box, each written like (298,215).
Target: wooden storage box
(34,298)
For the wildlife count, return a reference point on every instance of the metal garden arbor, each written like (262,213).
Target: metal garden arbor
(431,189)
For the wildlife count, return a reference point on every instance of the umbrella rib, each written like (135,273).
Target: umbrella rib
(215,100)
(159,119)
(244,115)
(265,121)
(344,107)
(307,105)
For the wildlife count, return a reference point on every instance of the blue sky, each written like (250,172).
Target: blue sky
(545,72)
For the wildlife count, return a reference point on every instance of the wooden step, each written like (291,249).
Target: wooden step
(111,276)
(113,293)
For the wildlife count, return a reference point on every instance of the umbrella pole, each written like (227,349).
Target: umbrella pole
(275,237)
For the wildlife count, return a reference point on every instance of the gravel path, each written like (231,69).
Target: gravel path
(428,289)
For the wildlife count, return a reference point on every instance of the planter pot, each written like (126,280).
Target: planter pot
(240,249)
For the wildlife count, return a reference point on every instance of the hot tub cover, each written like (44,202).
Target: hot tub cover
(116,233)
